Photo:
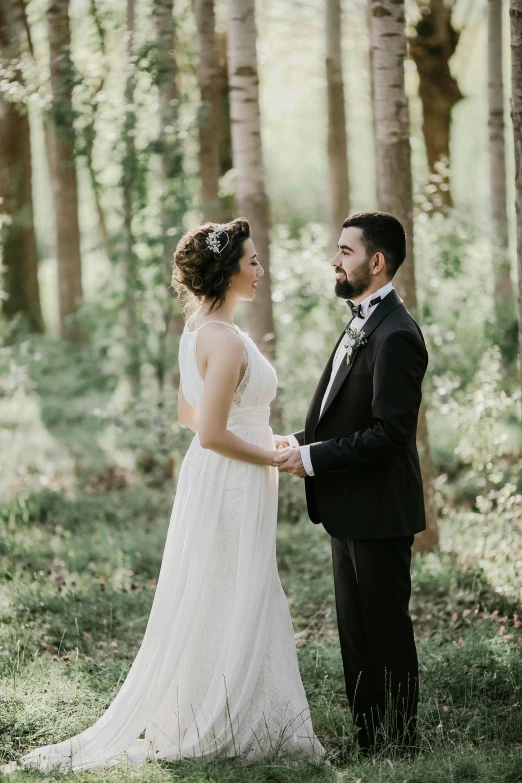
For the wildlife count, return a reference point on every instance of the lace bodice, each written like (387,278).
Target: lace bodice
(257,387)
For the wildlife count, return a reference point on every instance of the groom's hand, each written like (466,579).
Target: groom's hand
(281,442)
(289,461)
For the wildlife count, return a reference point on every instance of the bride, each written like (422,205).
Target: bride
(217,673)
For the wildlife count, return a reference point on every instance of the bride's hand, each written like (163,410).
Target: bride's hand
(281,442)
(281,455)
(273,458)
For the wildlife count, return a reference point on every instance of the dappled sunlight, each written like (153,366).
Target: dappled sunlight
(30,455)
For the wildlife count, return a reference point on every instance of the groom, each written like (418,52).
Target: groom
(358,456)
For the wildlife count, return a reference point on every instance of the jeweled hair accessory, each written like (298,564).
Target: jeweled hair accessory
(213,239)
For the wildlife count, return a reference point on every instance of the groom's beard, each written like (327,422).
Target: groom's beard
(359,283)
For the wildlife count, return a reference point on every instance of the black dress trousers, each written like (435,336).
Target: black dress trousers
(372,593)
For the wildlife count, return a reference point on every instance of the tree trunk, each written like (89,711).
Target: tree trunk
(129,167)
(339,195)
(175,200)
(225,146)
(90,130)
(251,195)
(515,14)
(388,42)
(20,260)
(429,538)
(210,119)
(504,296)
(372,93)
(431,49)
(225,131)
(65,186)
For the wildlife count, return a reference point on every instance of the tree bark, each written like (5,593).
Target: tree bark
(129,167)
(175,201)
(515,14)
(65,186)
(225,146)
(339,195)
(251,195)
(504,296)
(372,92)
(431,49)
(209,74)
(90,131)
(388,41)
(20,259)
(225,131)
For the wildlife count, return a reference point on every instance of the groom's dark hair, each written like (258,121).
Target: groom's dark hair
(381,232)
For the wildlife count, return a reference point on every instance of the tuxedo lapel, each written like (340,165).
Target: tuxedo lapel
(315,404)
(389,303)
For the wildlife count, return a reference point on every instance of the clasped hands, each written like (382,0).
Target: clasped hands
(287,458)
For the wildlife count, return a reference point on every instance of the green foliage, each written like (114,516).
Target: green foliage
(308,316)
(486,421)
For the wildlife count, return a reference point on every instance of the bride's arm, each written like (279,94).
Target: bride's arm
(223,355)
(187,415)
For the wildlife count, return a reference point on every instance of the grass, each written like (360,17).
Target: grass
(74,600)
(79,557)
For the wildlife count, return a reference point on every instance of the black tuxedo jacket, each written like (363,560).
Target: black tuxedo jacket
(367,481)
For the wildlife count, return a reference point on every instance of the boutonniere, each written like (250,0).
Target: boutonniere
(356,338)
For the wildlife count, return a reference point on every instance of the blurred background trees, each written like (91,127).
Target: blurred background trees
(125,122)
(338,183)
(62,164)
(504,301)
(432,45)
(515,14)
(19,253)
(210,121)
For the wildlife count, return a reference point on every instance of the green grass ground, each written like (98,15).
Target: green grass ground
(80,550)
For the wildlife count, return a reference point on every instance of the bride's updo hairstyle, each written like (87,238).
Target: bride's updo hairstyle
(204,270)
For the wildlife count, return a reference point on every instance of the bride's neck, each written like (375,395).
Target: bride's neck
(223,312)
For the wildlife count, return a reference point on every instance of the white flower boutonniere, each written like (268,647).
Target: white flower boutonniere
(356,338)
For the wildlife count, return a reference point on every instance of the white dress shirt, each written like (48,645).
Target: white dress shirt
(342,349)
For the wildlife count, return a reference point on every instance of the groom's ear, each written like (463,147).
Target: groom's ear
(378,263)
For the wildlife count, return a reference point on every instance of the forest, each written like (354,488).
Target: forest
(125,123)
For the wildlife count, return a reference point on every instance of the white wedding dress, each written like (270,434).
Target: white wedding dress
(217,673)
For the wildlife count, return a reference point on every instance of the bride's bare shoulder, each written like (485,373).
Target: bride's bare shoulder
(220,337)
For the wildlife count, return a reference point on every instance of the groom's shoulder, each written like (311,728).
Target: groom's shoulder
(400,319)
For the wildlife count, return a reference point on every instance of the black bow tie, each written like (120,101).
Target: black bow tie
(357,309)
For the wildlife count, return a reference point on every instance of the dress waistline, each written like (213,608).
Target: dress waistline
(249,417)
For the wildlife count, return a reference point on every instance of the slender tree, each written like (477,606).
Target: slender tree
(209,74)
(339,195)
(432,47)
(251,195)
(225,131)
(129,167)
(19,254)
(65,186)
(515,13)
(90,130)
(372,90)
(504,296)
(175,197)
(394,189)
